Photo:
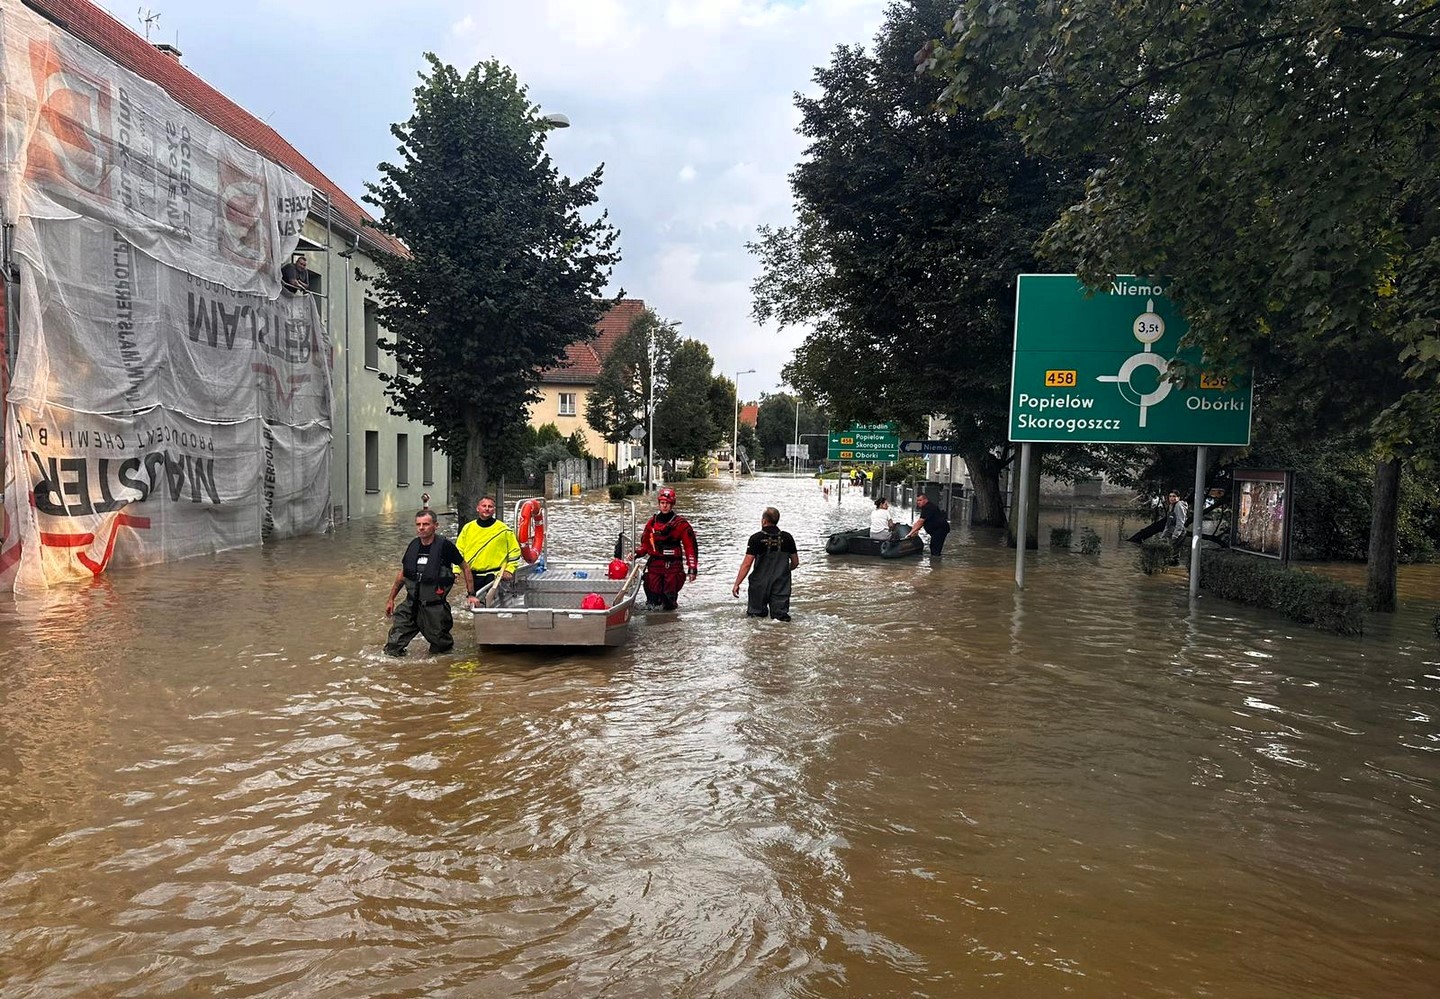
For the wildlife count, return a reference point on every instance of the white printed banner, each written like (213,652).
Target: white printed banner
(166,399)
(106,491)
(83,136)
(110,330)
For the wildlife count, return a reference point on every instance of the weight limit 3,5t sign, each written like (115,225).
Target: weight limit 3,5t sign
(1091,369)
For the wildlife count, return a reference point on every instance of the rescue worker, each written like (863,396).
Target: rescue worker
(487,547)
(669,541)
(773,555)
(426,574)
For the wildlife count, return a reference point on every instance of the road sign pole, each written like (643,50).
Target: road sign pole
(1021,530)
(1197,519)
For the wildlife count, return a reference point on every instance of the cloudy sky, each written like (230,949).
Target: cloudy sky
(688,103)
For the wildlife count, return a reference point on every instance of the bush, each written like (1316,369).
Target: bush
(634,488)
(1326,604)
(617,491)
(1060,537)
(1155,554)
(1089,541)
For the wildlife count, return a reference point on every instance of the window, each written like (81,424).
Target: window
(427,460)
(402,459)
(567,403)
(372,461)
(314,281)
(372,335)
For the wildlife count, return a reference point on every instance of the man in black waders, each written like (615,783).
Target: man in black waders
(772,553)
(426,574)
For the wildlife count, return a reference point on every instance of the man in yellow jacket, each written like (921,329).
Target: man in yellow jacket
(490,548)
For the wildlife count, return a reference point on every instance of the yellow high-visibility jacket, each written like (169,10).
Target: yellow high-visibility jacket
(489,549)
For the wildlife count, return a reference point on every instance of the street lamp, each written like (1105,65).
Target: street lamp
(554,121)
(735,444)
(795,460)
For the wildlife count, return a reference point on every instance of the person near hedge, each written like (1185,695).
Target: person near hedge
(426,575)
(772,554)
(932,520)
(1177,520)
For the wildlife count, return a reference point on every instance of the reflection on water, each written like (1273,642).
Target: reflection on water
(213,783)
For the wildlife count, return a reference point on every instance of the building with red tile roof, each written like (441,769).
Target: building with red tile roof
(565,389)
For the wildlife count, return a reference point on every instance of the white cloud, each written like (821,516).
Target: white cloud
(687,173)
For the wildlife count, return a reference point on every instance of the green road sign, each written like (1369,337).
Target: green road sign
(864,442)
(1092,369)
(861,454)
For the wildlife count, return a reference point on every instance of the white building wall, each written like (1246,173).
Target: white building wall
(366,477)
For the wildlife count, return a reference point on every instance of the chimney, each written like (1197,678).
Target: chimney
(168,50)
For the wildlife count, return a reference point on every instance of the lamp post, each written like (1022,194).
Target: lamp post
(735,443)
(795,461)
(650,410)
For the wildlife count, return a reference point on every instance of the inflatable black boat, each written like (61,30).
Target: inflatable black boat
(860,543)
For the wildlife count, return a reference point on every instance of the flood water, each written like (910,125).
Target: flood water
(212,783)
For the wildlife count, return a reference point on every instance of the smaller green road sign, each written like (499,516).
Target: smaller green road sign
(1092,369)
(869,439)
(861,454)
(862,443)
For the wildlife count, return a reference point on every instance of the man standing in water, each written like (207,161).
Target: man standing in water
(669,541)
(1177,520)
(489,547)
(426,575)
(773,555)
(932,520)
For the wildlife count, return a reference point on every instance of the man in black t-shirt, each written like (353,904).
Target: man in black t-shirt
(931,518)
(426,573)
(773,555)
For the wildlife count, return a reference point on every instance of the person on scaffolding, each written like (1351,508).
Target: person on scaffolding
(669,542)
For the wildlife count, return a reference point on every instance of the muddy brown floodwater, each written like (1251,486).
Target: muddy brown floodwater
(929,784)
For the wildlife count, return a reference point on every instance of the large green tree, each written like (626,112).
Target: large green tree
(911,225)
(633,376)
(504,270)
(1278,162)
(776,423)
(684,425)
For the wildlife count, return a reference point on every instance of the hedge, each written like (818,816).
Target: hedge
(1307,597)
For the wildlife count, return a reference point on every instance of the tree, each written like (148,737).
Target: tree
(775,423)
(684,426)
(616,404)
(1276,162)
(503,271)
(910,228)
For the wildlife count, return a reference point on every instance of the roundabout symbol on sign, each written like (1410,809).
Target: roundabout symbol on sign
(1148,328)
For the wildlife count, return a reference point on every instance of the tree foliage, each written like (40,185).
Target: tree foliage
(1276,162)
(504,270)
(684,424)
(910,227)
(775,424)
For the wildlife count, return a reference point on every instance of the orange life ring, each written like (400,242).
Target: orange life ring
(531,533)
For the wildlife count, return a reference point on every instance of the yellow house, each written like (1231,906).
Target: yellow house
(565,389)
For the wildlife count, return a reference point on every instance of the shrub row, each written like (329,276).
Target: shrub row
(1307,597)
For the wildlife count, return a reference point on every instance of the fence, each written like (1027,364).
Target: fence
(564,476)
